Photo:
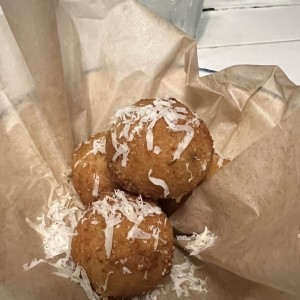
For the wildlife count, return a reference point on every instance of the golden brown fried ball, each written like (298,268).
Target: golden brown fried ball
(217,163)
(90,173)
(124,244)
(158,148)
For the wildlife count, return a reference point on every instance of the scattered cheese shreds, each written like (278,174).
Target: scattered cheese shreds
(57,230)
(95,191)
(114,208)
(159,182)
(220,162)
(184,279)
(198,242)
(56,236)
(156,150)
(126,270)
(155,235)
(106,280)
(203,166)
(146,117)
(146,275)
(121,149)
(77,163)
(99,145)
(191,174)
(221,159)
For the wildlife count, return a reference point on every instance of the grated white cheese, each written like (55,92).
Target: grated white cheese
(191,174)
(66,268)
(121,149)
(220,162)
(99,145)
(106,280)
(95,222)
(111,221)
(159,182)
(148,115)
(137,233)
(77,163)
(184,143)
(221,159)
(157,150)
(123,261)
(155,235)
(199,242)
(164,272)
(56,236)
(95,191)
(79,146)
(126,270)
(145,275)
(184,279)
(203,166)
(114,208)
(57,230)
(83,220)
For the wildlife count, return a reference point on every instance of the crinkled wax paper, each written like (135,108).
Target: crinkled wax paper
(66,66)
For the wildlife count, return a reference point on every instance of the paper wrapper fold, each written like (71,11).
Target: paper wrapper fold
(61,83)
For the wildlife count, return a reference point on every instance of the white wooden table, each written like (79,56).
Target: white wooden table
(233,32)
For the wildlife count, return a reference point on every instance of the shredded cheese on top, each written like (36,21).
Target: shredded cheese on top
(99,145)
(155,235)
(146,117)
(157,150)
(114,208)
(95,190)
(187,168)
(126,270)
(159,182)
(77,163)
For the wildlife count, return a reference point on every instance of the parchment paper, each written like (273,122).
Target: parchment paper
(112,53)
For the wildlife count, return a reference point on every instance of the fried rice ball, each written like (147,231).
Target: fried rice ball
(90,173)
(124,244)
(158,148)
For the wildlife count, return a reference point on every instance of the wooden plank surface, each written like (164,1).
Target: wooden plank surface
(249,25)
(225,4)
(250,32)
(283,55)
